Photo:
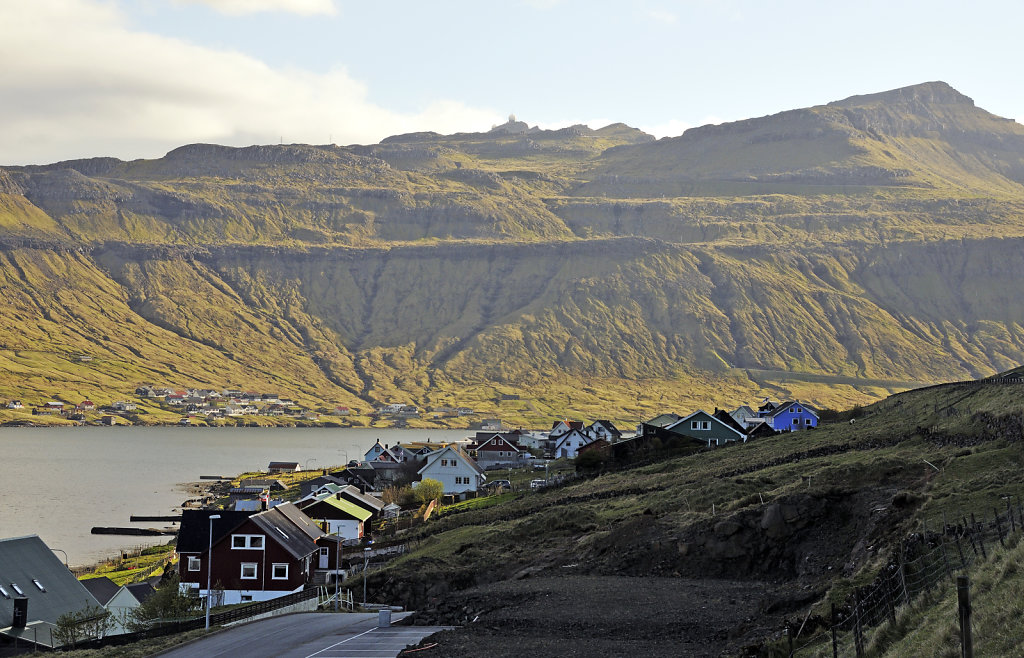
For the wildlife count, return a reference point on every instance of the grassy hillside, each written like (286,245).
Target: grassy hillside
(810,514)
(834,253)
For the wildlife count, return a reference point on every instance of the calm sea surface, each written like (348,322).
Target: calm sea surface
(59,483)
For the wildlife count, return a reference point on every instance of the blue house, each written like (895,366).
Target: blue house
(792,416)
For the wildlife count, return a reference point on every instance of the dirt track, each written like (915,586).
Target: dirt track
(610,616)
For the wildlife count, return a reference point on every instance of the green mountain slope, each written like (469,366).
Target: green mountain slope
(833,254)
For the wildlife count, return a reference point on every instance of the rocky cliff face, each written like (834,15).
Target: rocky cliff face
(826,244)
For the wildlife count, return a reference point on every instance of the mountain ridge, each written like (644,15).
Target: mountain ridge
(596,272)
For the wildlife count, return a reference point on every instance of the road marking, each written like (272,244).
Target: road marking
(342,642)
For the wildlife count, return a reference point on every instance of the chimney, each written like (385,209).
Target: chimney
(20,612)
(338,495)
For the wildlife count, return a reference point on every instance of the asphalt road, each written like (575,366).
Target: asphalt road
(309,635)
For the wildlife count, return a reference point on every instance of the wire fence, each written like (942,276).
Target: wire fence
(922,561)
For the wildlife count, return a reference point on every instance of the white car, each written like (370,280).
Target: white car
(537,484)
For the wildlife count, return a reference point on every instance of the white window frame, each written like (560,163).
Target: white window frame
(248,542)
(700,425)
(273,571)
(255,573)
(194,563)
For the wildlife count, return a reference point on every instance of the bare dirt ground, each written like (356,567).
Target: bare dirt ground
(610,616)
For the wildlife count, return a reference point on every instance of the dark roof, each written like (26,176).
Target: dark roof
(727,419)
(296,516)
(281,530)
(283,465)
(194,533)
(309,486)
(372,503)
(785,406)
(24,559)
(608,424)
(141,591)
(102,588)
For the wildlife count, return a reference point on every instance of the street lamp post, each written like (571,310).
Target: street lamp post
(209,569)
(337,566)
(366,564)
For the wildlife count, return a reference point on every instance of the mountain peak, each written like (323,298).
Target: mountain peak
(936,92)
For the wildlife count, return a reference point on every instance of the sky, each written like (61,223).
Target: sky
(136,78)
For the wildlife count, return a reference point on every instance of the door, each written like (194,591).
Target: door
(325,552)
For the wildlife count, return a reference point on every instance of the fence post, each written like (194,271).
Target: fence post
(789,634)
(903,577)
(970,536)
(858,637)
(963,596)
(835,642)
(999,527)
(1009,513)
(981,536)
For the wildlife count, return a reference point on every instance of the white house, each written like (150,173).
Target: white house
(456,471)
(603,429)
(569,444)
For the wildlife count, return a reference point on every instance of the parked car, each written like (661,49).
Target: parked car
(498,484)
(537,484)
(539,467)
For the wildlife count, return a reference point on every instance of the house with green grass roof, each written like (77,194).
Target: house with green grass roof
(336,514)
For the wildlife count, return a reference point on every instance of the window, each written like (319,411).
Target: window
(17,589)
(796,421)
(38,584)
(279,571)
(248,571)
(797,410)
(700,424)
(807,421)
(247,542)
(4,592)
(246,598)
(193,563)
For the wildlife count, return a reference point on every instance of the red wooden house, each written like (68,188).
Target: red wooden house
(261,557)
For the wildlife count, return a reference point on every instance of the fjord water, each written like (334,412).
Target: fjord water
(60,482)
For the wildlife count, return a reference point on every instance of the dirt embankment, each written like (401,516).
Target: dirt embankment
(576,615)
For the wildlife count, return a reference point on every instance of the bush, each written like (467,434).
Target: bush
(429,490)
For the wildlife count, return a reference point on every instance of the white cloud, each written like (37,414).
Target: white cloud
(676,127)
(239,7)
(92,86)
(670,128)
(662,16)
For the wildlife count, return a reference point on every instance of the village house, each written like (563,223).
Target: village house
(15,404)
(36,588)
(118,600)
(454,469)
(260,557)
(336,515)
(86,405)
(792,416)
(603,429)
(499,451)
(707,429)
(567,445)
(125,405)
